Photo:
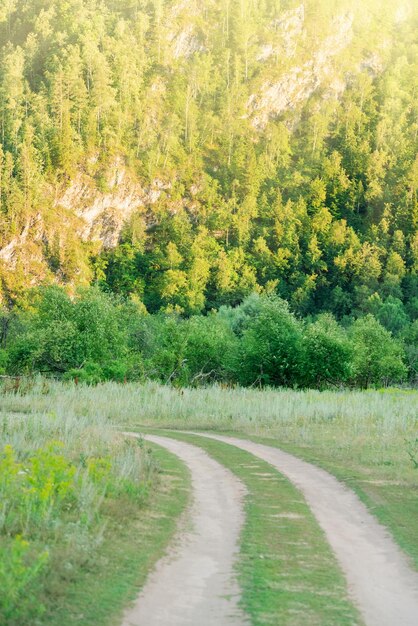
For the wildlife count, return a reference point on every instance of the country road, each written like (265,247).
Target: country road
(194,583)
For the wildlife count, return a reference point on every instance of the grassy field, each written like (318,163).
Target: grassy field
(84,514)
(367,439)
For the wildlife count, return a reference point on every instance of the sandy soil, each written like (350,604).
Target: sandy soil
(194,583)
(380,580)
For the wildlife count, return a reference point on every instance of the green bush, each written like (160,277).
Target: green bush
(209,345)
(56,497)
(270,351)
(378,358)
(62,334)
(116,370)
(411,351)
(161,341)
(4,361)
(34,491)
(94,337)
(327,353)
(90,374)
(21,570)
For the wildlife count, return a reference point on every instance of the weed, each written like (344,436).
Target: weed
(58,473)
(412,451)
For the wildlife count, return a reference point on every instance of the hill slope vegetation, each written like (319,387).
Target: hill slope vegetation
(193,152)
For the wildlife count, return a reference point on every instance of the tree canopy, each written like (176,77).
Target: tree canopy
(277,141)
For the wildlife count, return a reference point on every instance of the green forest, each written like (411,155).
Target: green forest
(199,191)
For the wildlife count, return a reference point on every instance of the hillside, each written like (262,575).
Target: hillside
(192,152)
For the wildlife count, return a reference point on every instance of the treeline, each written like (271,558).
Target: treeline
(95,337)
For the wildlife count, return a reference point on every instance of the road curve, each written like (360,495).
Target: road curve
(194,583)
(380,580)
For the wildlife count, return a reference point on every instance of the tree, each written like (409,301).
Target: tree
(392,315)
(161,342)
(327,353)
(411,349)
(12,94)
(60,333)
(209,347)
(271,348)
(378,358)
(263,176)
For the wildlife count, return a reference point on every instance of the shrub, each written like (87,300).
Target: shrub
(4,361)
(61,334)
(33,491)
(411,350)
(116,370)
(21,568)
(209,344)
(390,313)
(62,478)
(90,374)
(377,356)
(327,353)
(160,339)
(238,318)
(271,348)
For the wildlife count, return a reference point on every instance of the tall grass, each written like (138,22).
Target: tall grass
(61,475)
(373,426)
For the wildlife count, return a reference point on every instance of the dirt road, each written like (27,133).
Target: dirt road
(194,584)
(380,580)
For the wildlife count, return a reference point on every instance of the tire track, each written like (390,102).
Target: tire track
(380,580)
(194,583)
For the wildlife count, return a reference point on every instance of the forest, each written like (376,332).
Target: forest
(188,157)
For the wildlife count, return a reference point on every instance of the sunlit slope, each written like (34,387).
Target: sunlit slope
(116,117)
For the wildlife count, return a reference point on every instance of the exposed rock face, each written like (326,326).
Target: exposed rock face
(300,82)
(184,39)
(186,43)
(290,27)
(25,251)
(373,65)
(8,253)
(85,212)
(103,213)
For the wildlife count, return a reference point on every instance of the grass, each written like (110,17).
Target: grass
(84,514)
(364,438)
(262,412)
(135,541)
(286,569)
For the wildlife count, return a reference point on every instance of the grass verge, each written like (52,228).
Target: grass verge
(286,569)
(85,513)
(134,541)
